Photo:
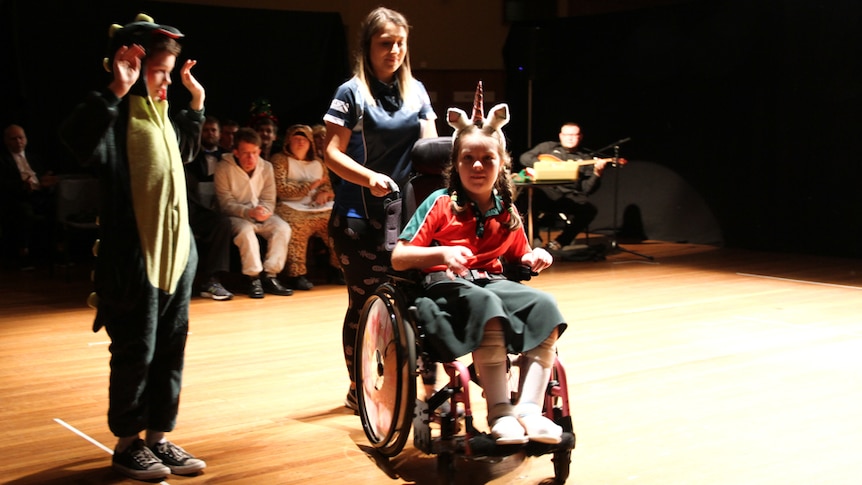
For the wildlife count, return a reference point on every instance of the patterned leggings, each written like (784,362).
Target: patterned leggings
(305,225)
(364,260)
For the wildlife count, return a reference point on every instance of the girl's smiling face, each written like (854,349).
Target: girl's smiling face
(479,165)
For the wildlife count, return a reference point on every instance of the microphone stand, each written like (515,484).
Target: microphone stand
(615,245)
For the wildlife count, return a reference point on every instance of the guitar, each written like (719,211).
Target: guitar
(549,167)
(545,157)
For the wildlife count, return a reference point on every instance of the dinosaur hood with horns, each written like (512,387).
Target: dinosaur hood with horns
(142,32)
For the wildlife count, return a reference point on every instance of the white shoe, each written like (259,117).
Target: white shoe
(541,429)
(506,430)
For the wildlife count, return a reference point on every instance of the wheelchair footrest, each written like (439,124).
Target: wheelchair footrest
(483,444)
(537,449)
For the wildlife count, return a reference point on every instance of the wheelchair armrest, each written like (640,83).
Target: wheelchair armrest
(410,276)
(518,272)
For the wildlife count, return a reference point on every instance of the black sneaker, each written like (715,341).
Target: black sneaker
(255,288)
(138,462)
(213,289)
(273,286)
(177,459)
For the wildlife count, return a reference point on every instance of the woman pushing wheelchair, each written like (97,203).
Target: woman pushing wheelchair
(458,237)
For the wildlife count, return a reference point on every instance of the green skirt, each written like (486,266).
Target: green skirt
(453,314)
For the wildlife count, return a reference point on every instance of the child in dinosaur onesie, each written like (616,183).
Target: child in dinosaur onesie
(146,254)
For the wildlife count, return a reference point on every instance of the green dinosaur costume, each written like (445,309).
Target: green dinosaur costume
(146,256)
(158,191)
(155,167)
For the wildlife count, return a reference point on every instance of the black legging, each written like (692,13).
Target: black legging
(364,261)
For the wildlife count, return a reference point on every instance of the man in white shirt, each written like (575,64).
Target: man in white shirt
(245,189)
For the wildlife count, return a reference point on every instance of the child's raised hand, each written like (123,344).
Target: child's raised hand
(127,68)
(193,85)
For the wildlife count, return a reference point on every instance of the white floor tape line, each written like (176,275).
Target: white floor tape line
(91,440)
(766,277)
(82,435)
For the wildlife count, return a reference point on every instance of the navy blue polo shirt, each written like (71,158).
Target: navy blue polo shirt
(383,131)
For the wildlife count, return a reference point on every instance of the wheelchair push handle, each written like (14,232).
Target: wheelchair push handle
(392,207)
(393,188)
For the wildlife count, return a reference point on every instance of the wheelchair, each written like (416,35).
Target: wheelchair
(390,356)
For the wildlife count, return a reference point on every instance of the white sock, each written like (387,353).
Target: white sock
(535,369)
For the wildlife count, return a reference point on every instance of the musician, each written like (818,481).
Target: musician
(569,199)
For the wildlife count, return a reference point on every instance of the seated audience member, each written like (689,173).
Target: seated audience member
(304,201)
(211,228)
(266,128)
(265,123)
(245,189)
(569,199)
(457,238)
(227,130)
(319,132)
(27,193)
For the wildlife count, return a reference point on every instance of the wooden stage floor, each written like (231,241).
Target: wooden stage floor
(707,366)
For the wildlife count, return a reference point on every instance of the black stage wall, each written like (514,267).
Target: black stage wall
(756,105)
(51,55)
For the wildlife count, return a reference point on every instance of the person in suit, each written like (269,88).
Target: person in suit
(211,228)
(27,193)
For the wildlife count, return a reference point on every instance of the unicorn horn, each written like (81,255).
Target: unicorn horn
(478,106)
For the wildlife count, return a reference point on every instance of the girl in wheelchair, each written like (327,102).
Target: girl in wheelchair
(457,237)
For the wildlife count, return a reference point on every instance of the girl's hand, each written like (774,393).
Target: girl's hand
(456,259)
(537,260)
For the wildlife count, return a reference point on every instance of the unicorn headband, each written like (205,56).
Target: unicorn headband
(497,118)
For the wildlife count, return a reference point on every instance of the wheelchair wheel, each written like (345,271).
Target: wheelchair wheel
(385,364)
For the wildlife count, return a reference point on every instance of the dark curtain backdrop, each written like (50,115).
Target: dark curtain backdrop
(756,105)
(52,51)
